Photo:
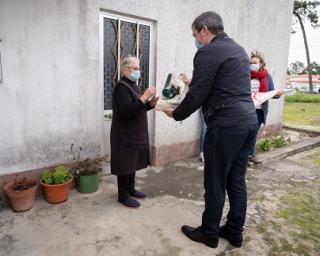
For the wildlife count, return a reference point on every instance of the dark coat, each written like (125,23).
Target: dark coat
(129,129)
(220,84)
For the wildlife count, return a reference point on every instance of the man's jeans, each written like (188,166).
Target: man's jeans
(226,153)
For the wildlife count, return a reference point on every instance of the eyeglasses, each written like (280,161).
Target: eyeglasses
(134,68)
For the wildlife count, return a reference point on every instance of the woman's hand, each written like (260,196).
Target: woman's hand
(153,101)
(280,92)
(168,112)
(148,93)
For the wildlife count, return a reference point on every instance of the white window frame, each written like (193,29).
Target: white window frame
(152,65)
(1,73)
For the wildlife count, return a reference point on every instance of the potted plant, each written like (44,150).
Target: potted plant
(86,173)
(21,193)
(56,184)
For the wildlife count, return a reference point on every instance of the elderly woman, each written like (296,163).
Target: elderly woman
(129,130)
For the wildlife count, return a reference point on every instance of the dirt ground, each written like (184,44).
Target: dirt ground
(283,216)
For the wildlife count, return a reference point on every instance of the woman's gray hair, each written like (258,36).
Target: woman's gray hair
(212,20)
(127,62)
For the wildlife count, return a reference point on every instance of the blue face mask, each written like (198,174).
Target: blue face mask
(254,67)
(198,45)
(134,76)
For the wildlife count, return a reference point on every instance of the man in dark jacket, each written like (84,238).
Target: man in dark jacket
(221,86)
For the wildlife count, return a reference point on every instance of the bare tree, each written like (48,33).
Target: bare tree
(302,11)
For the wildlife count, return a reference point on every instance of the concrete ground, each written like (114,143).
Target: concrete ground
(96,224)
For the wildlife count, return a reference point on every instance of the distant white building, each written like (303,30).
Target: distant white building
(60,59)
(301,82)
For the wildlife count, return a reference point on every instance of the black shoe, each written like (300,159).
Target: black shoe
(130,202)
(195,234)
(235,240)
(254,160)
(138,194)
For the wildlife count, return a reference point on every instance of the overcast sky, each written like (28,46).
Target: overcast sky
(297,50)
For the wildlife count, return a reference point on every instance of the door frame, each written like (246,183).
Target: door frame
(152,68)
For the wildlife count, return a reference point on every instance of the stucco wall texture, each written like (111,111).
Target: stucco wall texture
(52,89)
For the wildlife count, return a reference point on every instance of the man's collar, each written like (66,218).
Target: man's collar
(219,35)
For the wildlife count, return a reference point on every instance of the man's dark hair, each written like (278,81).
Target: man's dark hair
(210,19)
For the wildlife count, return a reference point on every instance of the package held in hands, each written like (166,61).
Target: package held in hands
(173,92)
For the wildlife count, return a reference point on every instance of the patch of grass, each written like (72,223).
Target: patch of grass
(262,228)
(285,245)
(279,245)
(283,213)
(258,198)
(247,239)
(302,113)
(301,249)
(276,226)
(302,209)
(303,97)
(301,206)
(316,162)
(271,240)
(295,227)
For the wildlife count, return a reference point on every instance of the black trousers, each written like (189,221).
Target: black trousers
(226,153)
(126,186)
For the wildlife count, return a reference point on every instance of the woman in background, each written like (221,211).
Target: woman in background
(261,81)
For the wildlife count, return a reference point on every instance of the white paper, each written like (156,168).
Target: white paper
(260,97)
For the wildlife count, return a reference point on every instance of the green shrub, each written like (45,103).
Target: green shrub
(58,175)
(303,97)
(264,145)
(278,142)
(269,143)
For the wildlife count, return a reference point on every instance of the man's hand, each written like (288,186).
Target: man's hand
(168,112)
(153,101)
(187,81)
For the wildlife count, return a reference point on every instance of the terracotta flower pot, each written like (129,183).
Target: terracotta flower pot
(57,193)
(21,200)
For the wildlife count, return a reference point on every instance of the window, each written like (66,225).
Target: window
(122,37)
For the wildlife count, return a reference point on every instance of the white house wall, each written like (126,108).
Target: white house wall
(51,94)
(49,97)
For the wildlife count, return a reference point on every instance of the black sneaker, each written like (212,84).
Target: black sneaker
(235,240)
(195,234)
